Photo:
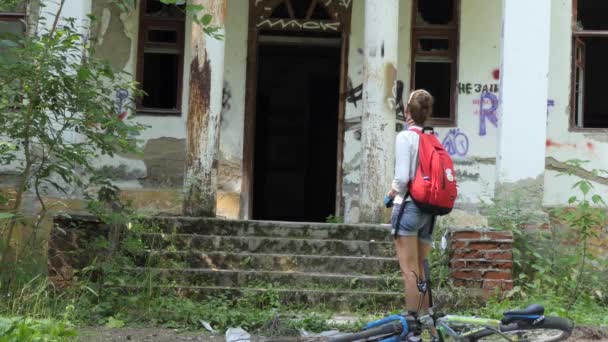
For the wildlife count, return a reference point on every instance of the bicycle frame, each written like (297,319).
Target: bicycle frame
(444,323)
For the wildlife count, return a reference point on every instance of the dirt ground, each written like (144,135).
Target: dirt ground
(100,334)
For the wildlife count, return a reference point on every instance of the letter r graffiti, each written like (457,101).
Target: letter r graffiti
(487,113)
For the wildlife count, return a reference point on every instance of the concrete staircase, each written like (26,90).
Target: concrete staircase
(336,265)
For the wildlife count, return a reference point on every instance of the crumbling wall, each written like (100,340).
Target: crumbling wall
(159,171)
(472,140)
(564,144)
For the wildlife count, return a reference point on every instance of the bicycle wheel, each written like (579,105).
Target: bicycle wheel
(373,334)
(551,329)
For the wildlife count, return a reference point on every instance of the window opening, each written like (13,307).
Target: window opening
(434,55)
(590,72)
(160,57)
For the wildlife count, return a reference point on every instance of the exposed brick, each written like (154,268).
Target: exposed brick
(467,283)
(497,284)
(498,255)
(503,265)
(466,235)
(471,254)
(459,283)
(498,235)
(457,264)
(466,274)
(459,244)
(479,263)
(499,275)
(486,245)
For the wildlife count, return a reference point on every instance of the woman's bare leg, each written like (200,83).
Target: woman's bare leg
(407,253)
(424,249)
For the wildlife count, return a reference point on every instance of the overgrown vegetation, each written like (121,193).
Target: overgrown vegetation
(17,329)
(58,115)
(106,294)
(553,261)
(58,111)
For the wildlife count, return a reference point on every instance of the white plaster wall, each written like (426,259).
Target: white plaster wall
(563,144)
(235,70)
(160,126)
(479,56)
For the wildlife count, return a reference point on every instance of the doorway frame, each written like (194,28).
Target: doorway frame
(260,12)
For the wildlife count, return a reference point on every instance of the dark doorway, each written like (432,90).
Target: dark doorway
(296,132)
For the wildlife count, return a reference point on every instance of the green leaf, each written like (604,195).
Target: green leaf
(206,19)
(572,200)
(6,216)
(114,323)
(585,187)
(597,199)
(193,9)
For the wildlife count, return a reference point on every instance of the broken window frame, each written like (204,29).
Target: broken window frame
(449,32)
(14,16)
(577,91)
(146,24)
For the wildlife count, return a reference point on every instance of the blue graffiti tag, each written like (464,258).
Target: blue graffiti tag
(487,113)
(122,96)
(456,143)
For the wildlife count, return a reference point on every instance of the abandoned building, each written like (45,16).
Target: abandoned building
(300,98)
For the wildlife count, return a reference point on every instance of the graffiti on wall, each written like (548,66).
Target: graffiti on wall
(226,97)
(343,3)
(294,24)
(353,95)
(477,88)
(488,105)
(122,101)
(354,124)
(456,143)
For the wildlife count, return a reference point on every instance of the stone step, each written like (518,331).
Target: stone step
(295,230)
(280,245)
(268,262)
(370,301)
(275,279)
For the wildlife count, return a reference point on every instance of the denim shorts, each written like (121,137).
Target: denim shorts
(413,222)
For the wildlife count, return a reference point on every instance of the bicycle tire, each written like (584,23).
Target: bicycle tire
(386,330)
(549,324)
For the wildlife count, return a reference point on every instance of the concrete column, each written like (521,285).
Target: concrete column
(204,109)
(523,90)
(378,121)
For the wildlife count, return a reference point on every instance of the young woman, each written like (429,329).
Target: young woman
(413,231)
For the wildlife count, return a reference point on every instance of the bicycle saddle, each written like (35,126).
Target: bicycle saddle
(532,310)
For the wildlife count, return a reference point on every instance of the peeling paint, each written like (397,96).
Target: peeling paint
(229,175)
(200,89)
(467,176)
(204,114)
(113,44)
(390,76)
(200,195)
(164,159)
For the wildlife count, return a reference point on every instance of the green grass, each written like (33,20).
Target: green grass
(20,329)
(584,312)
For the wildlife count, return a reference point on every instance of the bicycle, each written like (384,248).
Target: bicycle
(529,324)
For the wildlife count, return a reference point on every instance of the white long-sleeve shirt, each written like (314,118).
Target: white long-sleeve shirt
(406,162)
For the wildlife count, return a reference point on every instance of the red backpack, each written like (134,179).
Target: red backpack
(434,188)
